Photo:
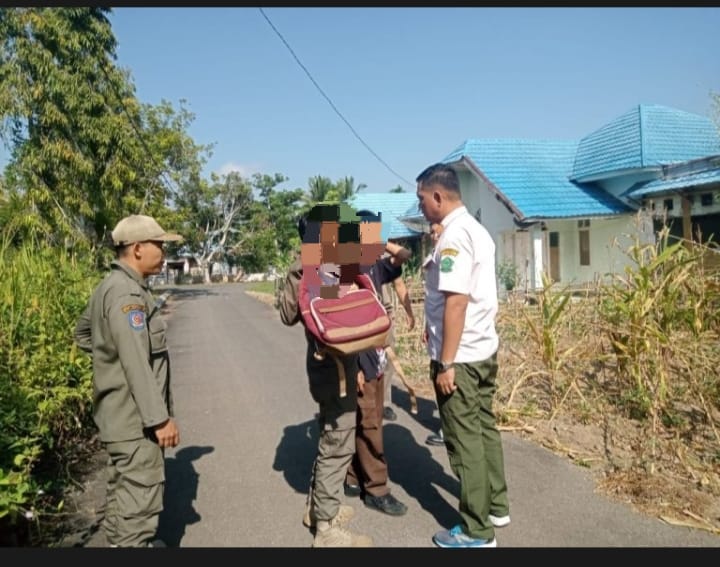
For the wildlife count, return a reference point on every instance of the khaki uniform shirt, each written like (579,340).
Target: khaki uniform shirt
(123,331)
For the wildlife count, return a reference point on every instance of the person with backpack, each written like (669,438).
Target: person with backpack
(331,261)
(461,305)
(367,473)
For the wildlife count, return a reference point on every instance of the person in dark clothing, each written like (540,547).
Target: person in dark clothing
(367,474)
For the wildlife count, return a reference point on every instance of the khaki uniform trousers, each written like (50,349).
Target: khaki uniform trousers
(135,486)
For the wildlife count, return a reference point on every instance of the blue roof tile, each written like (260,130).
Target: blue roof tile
(391,206)
(533,175)
(647,136)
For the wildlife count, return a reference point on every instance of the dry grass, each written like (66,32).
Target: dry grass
(571,397)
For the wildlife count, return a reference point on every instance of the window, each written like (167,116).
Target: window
(584,240)
(706,199)
(668,204)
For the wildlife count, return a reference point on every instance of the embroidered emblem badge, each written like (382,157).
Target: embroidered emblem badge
(446,264)
(136,319)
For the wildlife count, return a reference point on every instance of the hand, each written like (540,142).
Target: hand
(411,321)
(445,381)
(167,434)
(360,382)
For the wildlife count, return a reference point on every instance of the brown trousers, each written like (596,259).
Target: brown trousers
(368,468)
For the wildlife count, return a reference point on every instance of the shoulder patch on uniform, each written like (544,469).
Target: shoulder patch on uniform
(136,318)
(133,307)
(446,264)
(448,252)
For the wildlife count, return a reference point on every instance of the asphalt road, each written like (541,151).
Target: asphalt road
(239,477)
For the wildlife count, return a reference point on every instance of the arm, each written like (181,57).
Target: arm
(126,315)
(453,323)
(404,297)
(398,254)
(83,331)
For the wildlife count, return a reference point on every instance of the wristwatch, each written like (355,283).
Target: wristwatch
(444,366)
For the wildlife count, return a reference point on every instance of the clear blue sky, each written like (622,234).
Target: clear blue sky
(413,83)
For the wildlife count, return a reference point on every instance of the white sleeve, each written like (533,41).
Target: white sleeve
(455,257)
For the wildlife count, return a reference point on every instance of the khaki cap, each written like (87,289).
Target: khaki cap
(139,228)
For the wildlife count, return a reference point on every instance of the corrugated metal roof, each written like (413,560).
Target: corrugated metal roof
(648,136)
(391,206)
(533,175)
(700,180)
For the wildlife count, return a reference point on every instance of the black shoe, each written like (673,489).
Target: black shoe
(157,543)
(435,439)
(352,490)
(387,503)
(389,414)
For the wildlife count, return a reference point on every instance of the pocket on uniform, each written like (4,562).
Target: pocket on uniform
(139,490)
(156,330)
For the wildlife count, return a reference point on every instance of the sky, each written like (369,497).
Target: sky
(380,93)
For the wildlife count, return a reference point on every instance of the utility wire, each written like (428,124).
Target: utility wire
(290,49)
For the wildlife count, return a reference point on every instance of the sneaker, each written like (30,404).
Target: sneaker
(331,534)
(436,439)
(387,503)
(455,537)
(156,543)
(389,414)
(352,490)
(499,521)
(344,515)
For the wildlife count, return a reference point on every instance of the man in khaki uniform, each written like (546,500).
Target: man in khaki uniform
(123,331)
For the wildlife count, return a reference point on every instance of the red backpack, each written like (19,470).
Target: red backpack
(345,326)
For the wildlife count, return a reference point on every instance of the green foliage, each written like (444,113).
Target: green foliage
(45,385)
(508,274)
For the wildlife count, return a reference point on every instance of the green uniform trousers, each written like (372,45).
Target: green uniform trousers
(473,444)
(135,485)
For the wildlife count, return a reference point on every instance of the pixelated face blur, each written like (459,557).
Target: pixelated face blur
(371,242)
(336,257)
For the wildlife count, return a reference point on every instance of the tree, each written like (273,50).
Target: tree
(84,151)
(318,189)
(213,213)
(346,188)
(397,189)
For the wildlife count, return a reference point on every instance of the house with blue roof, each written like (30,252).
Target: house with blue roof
(570,208)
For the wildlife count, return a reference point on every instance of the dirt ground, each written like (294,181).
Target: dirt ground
(671,485)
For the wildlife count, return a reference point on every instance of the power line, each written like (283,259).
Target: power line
(314,82)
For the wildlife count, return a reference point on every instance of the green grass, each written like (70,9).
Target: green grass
(262,287)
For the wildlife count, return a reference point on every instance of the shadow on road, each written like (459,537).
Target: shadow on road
(413,467)
(295,454)
(181,482)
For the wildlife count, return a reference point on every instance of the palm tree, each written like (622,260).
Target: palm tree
(346,188)
(318,189)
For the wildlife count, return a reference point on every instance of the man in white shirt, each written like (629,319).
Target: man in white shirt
(460,309)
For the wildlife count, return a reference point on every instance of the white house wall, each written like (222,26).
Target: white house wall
(609,241)
(476,194)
